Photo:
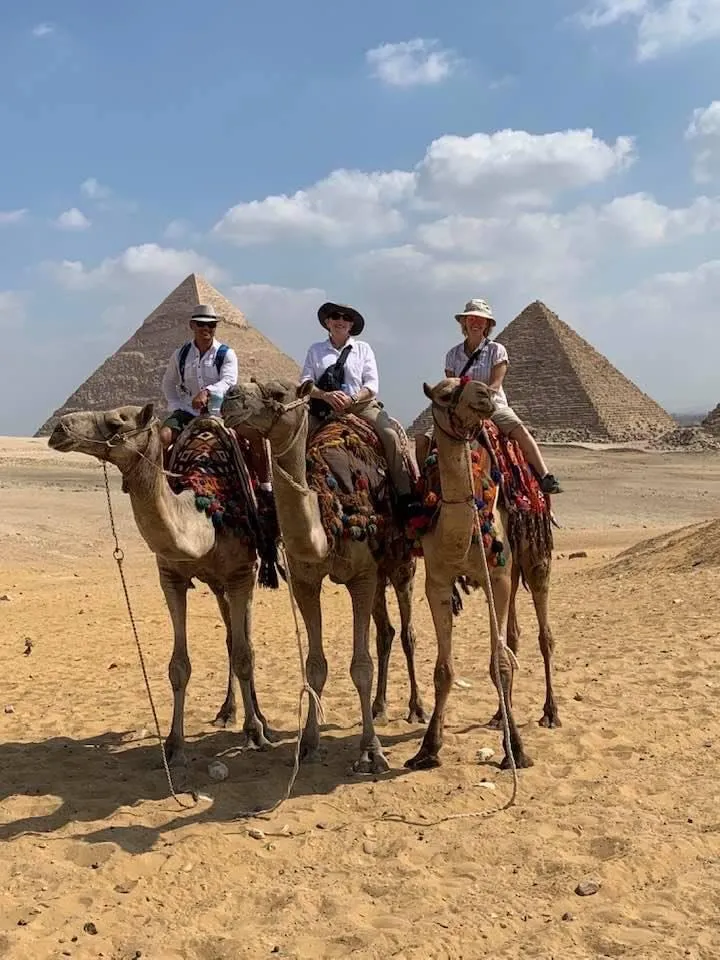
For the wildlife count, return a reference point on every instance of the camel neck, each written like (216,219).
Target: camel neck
(297,505)
(169,523)
(457,515)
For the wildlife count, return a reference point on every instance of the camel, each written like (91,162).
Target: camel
(278,410)
(459,409)
(187,546)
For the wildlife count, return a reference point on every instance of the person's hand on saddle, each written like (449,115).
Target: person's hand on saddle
(338,400)
(199,401)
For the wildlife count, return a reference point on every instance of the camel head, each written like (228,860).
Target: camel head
(262,405)
(114,435)
(460,406)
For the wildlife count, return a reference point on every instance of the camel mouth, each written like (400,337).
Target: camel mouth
(60,439)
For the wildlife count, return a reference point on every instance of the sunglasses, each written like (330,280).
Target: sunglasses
(340,316)
(207,324)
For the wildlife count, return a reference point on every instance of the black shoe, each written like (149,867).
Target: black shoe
(407,507)
(549,484)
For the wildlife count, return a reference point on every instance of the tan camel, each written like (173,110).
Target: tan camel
(186,546)
(459,409)
(278,410)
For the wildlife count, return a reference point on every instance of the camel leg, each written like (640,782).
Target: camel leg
(240,593)
(307,596)
(362,591)
(404,593)
(227,713)
(439,597)
(500,584)
(175,590)
(385,633)
(541,600)
(513,633)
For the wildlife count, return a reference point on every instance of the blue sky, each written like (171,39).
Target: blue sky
(401,156)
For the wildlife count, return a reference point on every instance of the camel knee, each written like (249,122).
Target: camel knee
(443,677)
(361,672)
(179,671)
(316,668)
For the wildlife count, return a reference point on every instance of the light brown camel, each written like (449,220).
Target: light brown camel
(186,546)
(278,410)
(459,409)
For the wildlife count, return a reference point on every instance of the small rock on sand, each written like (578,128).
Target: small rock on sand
(586,888)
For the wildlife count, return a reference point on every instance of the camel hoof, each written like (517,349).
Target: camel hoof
(417,714)
(371,762)
(175,755)
(311,753)
(521,763)
(223,720)
(423,760)
(379,714)
(256,739)
(495,723)
(550,721)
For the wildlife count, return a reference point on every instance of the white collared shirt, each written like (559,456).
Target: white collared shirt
(360,366)
(200,374)
(491,353)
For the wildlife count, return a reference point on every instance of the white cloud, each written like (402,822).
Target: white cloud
(177,230)
(347,207)
(12,309)
(662,27)
(43,30)
(94,190)
(411,63)
(704,127)
(72,219)
(148,262)
(507,169)
(516,168)
(12,216)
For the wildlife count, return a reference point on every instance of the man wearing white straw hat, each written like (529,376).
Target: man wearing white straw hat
(480,358)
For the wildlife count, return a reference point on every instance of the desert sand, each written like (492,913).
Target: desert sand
(97,861)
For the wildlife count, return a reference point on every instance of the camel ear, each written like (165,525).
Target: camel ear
(304,389)
(427,390)
(146,414)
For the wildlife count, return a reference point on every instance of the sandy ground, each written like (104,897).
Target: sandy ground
(96,861)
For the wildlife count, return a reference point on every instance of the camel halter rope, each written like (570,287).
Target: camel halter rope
(117,439)
(499,642)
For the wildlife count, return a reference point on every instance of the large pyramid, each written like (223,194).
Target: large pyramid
(564,389)
(133,374)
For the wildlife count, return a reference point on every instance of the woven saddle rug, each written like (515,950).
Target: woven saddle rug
(346,468)
(528,508)
(207,459)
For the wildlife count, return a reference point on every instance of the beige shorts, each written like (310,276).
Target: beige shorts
(504,418)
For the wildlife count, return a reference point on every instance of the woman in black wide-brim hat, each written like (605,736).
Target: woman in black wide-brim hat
(345,377)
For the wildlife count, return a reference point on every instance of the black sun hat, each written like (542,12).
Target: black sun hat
(328,309)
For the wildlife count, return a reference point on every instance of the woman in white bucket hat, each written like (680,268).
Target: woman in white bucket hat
(483,359)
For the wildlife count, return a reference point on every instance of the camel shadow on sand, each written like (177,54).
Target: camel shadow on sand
(98,778)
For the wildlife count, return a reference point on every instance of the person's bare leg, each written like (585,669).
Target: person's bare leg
(525,440)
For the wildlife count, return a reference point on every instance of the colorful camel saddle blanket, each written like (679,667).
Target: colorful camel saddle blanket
(346,469)
(207,459)
(486,479)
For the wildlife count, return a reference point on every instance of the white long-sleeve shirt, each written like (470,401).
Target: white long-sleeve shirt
(200,374)
(360,366)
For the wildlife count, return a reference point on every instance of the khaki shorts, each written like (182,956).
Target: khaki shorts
(504,418)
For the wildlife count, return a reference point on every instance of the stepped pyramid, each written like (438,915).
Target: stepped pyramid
(133,374)
(562,388)
(711,423)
